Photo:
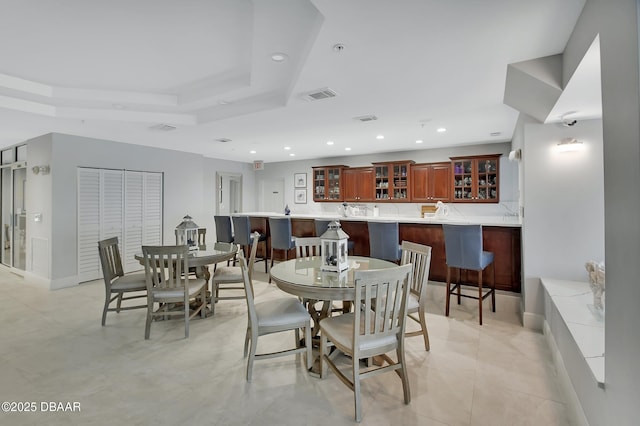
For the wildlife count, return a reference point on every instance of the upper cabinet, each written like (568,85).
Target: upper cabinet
(326,183)
(476,179)
(393,181)
(357,184)
(431,182)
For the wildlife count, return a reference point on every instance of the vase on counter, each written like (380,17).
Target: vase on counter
(596,273)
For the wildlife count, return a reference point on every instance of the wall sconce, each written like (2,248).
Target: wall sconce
(40,169)
(569,144)
(515,155)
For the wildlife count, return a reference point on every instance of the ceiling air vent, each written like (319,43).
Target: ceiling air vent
(319,94)
(163,127)
(223,140)
(365,118)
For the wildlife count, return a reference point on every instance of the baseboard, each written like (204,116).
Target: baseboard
(573,403)
(64,282)
(533,321)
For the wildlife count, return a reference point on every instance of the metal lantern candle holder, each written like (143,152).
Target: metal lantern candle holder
(334,248)
(187,233)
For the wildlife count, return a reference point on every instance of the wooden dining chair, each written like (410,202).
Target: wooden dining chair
(273,316)
(116,283)
(375,327)
(169,286)
(229,279)
(419,256)
(308,247)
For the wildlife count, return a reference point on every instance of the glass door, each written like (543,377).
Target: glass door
(6,216)
(19,218)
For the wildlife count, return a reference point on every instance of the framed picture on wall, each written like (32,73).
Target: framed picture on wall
(300,180)
(300,196)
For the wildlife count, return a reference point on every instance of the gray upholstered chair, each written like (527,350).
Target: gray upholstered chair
(281,238)
(375,328)
(243,235)
(273,316)
(383,240)
(169,286)
(229,279)
(116,283)
(224,232)
(463,248)
(419,256)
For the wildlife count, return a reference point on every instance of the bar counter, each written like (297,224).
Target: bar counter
(501,235)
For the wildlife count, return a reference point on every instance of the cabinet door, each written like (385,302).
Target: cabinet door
(401,179)
(463,180)
(440,182)
(350,185)
(420,182)
(319,184)
(333,184)
(365,181)
(357,184)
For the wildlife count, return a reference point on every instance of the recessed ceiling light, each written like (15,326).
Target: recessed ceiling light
(329,142)
(441,130)
(380,137)
(419,141)
(292,155)
(347,149)
(279,57)
(118,106)
(287,148)
(252,151)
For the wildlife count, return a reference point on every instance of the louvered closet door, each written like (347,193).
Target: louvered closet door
(134,214)
(88,224)
(152,225)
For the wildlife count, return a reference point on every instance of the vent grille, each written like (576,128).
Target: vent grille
(319,94)
(365,118)
(223,140)
(163,127)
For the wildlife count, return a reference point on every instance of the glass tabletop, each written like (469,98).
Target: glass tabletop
(307,272)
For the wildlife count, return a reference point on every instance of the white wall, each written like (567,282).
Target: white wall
(563,224)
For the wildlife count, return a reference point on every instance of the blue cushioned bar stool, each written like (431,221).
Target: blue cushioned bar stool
(463,247)
(384,241)
(281,239)
(224,234)
(243,236)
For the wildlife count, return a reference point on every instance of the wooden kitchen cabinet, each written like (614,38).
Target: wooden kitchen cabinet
(393,181)
(475,179)
(431,182)
(357,184)
(327,182)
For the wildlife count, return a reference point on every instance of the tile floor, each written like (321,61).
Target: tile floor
(55,350)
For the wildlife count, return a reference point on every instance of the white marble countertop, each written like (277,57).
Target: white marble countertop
(574,301)
(507,221)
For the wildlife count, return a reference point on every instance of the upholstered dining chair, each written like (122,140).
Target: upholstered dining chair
(273,316)
(419,256)
(224,232)
(243,235)
(170,287)
(375,328)
(308,247)
(463,249)
(281,238)
(116,283)
(383,240)
(229,279)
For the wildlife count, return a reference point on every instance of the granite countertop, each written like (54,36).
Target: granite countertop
(506,221)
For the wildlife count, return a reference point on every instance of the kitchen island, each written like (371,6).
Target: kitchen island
(501,235)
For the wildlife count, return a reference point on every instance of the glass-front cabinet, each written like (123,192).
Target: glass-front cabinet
(326,183)
(476,179)
(392,181)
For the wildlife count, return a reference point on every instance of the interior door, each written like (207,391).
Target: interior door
(19,218)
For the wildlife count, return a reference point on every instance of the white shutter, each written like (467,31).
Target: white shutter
(152,226)
(112,211)
(133,220)
(88,224)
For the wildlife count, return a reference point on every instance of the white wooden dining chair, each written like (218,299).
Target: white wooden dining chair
(419,256)
(273,316)
(170,286)
(375,328)
(116,283)
(229,279)
(308,247)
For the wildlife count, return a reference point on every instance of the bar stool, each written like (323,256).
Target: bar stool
(463,247)
(281,238)
(383,241)
(243,235)
(224,234)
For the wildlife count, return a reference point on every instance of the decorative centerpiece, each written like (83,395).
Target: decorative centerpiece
(596,273)
(334,249)
(187,233)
